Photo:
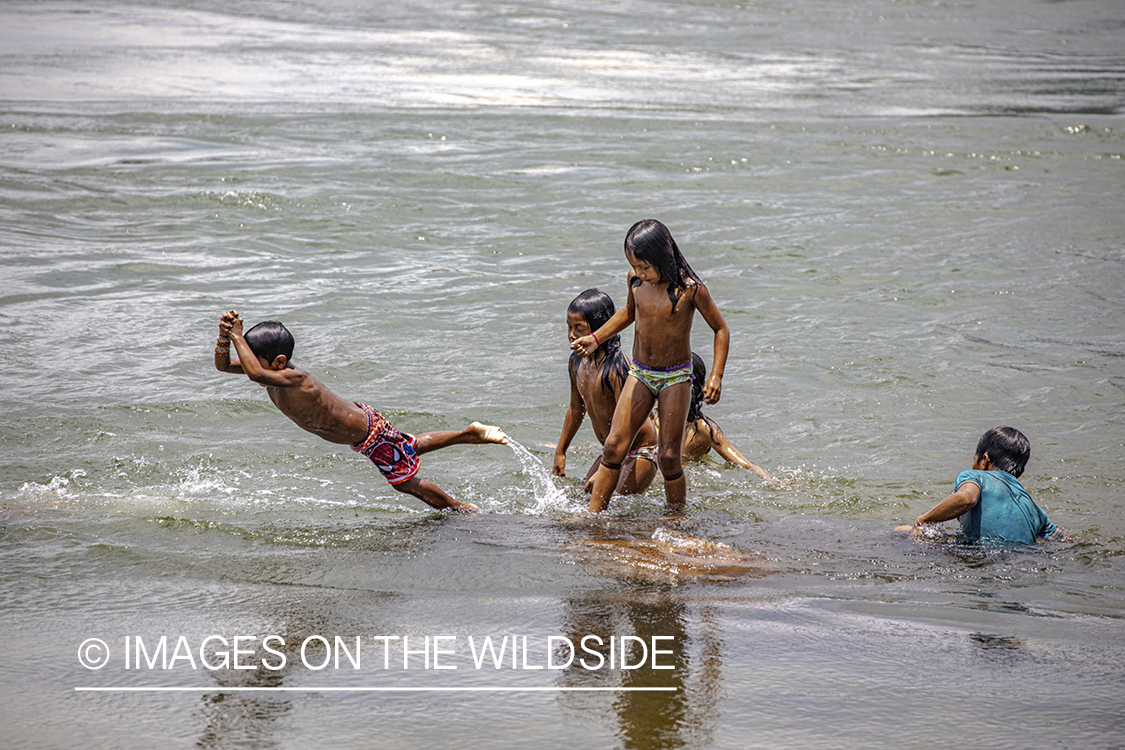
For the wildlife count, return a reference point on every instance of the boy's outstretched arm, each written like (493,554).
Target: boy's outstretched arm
(223,361)
(960,502)
(1052,533)
(1058,535)
(713,388)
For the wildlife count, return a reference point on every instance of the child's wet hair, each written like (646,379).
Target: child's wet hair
(1007,448)
(695,408)
(649,240)
(269,339)
(596,308)
(698,377)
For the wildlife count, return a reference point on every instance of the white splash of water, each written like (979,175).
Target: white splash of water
(686,542)
(59,485)
(547,495)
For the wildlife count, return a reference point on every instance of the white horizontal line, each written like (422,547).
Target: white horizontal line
(219,689)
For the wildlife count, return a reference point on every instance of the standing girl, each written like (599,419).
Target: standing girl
(664,293)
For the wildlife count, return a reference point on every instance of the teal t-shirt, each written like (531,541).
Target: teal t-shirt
(1005,511)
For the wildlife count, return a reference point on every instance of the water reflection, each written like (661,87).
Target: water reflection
(234,718)
(238,720)
(679,718)
(648,597)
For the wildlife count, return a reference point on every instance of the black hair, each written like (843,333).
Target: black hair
(596,308)
(695,408)
(1007,448)
(269,339)
(650,241)
(698,376)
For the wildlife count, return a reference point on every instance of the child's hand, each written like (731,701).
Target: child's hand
(225,321)
(585,346)
(712,389)
(236,325)
(560,466)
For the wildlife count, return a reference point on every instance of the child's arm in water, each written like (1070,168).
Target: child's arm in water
(575,413)
(1058,535)
(961,502)
(713,388)
(954,506)
(724,448)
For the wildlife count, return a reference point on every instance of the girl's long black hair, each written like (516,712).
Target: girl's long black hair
(695,409)
(649,240)
(596,308)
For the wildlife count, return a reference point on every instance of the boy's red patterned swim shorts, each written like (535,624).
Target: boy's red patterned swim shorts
(390,450)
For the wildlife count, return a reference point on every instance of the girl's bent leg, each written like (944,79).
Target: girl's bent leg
(632,410)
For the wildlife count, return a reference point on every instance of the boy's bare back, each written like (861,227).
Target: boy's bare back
(296,393)
(313,407)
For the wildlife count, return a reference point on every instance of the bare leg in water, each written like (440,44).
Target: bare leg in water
(428,492)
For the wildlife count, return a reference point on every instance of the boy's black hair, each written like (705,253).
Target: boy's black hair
(1008,449)
(650,241)
(268,339)
(596,308)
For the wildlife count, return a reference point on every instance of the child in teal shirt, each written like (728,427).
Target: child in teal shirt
(989,499)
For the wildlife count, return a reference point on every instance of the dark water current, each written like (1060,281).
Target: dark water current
(908,212)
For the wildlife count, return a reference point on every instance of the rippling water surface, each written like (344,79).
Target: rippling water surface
(909,214)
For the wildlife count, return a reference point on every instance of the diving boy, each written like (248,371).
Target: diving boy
(264,354)
(989,499)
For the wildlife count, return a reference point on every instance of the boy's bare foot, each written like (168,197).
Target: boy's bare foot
(488,433)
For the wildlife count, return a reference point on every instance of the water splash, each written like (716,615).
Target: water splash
(547,495)
(692,544)
(58,486)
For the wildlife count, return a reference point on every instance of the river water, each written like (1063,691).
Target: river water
(908,212)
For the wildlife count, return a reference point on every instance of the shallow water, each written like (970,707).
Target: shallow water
(909,214)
